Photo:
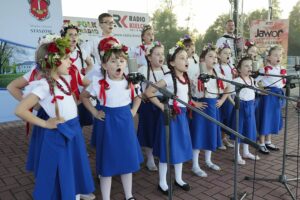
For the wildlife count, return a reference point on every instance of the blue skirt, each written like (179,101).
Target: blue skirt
(180,140)
(148,122)
(64,169)
(85,117)
(225,112)
(36,141)
(117,148)
(270,113)
(95,128)
(204,133)
(247,124)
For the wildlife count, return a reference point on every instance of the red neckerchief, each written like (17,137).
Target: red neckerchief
(74,59)
(190,110)
(142,47)
(283,72)
(103,86)
(75,80)
(267,68)
(131,86)
(176,107)
(201,86)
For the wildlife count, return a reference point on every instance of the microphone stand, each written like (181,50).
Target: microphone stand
(282,178)
(137,77)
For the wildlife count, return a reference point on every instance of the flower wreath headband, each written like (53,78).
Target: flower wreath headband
(209,46)
(249,44)
(108,44)
(56,50)
(151,46)
(223,46)
(65,28)
(179,44)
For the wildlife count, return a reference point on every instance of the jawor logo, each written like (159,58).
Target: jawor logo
(264,33)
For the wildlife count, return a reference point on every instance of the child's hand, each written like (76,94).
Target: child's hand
(99,115)
(219,103)
(200,105)
(52,123)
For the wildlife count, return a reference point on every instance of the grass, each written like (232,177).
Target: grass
(5,79)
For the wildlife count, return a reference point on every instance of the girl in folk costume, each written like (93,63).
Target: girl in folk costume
(81,64)
(193,59)
(205,134)
(117,149)
(147,37)
(225,68)
(252,52)
(176,81)
(16,90)
(270,106)
(247,124)
(63,170)
(149,113)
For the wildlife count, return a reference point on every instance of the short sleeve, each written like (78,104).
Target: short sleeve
(27,75)
(39,88)
(168,80)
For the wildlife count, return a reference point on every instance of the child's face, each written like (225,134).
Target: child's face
(246,68)
(148,36)
(107,25)
(73,35)
(275,57)
(63,68)
(225,55)
(157,57)
(190,50)
(115,67)
(181,61)
(252,52)
(210,59)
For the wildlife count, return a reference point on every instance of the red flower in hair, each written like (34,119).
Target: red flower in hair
(67,50)
(103,45)
(52,48)
(124,48)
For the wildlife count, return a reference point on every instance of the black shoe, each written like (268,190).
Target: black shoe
(164,192)
(272,147)
(131,198)
(185,187)
(263,150)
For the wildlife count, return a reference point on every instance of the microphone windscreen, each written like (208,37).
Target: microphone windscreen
(132,65)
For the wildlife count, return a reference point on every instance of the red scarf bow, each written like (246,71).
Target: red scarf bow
(190,110)
(176,107)
(103,86)
(267,68)
(75,80)
(220,84)
(200,85)
(283,72)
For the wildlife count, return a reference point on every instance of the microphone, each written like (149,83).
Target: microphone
(297,65)
(134,76)
(255,74)
(205,77)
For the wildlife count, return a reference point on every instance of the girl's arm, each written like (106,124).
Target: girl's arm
(89,64)
(15,88)
(150,93)
(85,99)
(23,112)
(136,104)
(224,97)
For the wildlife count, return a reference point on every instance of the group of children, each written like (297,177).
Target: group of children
(68,94)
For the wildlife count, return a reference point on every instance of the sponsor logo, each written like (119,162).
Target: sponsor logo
(39,9)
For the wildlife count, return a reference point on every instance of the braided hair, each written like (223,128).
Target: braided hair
(171,57)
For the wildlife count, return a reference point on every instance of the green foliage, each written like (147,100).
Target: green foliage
(294,31)
(5,79)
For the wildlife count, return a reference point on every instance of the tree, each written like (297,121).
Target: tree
(165,25)
(294,31)
(5,54)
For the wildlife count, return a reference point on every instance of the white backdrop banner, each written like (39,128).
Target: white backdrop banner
(129,26)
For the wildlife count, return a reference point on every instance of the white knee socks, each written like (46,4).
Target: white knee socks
(127,184)
(162,169)
(105,186)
